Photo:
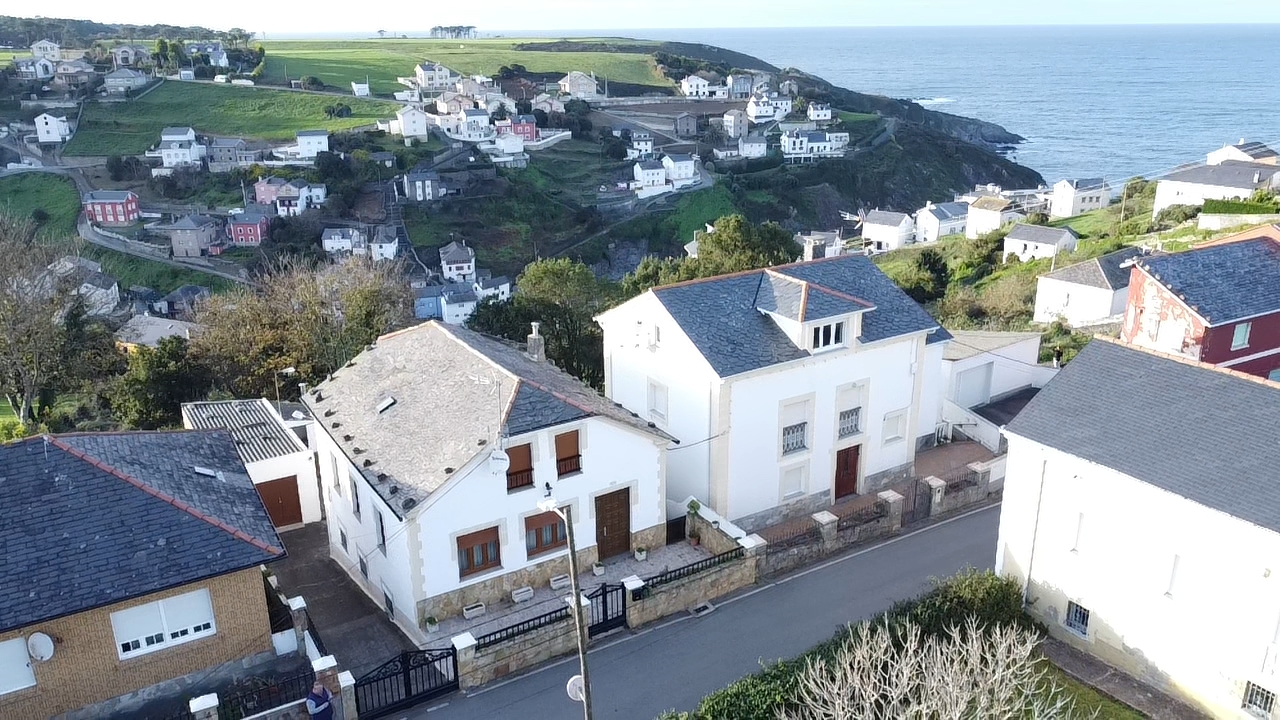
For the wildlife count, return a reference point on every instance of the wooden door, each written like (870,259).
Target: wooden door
(847,471)
(281,498)
(613,523)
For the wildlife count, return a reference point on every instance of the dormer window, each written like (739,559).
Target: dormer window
(830,335)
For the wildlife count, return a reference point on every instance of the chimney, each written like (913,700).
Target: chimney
(1257,176)
(1241,141)
(535,346)
(810,244)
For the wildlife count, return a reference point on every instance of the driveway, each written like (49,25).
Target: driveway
(353,628)
(673,665)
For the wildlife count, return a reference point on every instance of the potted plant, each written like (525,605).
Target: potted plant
(690,531)
(597,568)
(642,553)
(694,538)
(433,625)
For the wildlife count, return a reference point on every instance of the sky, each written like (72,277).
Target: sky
(508,16)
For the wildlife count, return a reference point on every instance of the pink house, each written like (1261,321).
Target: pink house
(266,190)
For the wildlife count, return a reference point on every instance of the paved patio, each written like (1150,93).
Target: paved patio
(496,617)
(950,461)
(354,629)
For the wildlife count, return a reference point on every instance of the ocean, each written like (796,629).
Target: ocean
(1109,101)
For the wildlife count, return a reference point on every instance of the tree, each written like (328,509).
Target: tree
(540,117)
(500,113)
(934,268)
(382,33)
(524,107)
(39,216)
(1037,218)
(560,281)
(311,82)
(897,671)
(734,245)
(150,393)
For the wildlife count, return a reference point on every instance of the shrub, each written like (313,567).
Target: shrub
(1239,207)
(1175,215)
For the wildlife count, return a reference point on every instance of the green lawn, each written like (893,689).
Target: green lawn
(1089,700)
(382,61)
(131,128)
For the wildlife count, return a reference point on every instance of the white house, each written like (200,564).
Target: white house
(1030,242)
(458,262)
(1072,197)
(99,292)
(763,107)
(1086,293)
(694,86)
(52,129)
(649,174)
(433,77)
(937,221)
(735,123)
(37,68)
(410,122)
(883,230)
(789,387)
(282,467)
(989,378)
(457,303)
(46,49)
(1139,500)
(1228,180)
(987,214)
(1243,152)
(445,444)
(179,147)
(641,145)
(124,79)
(801,146)
(384,244)
(342,240)
(312,143)
(451,103)
(681,169)
(498,287)
(473,126)
(819,112)
(297,196)
(422,186)
(360,89)
(579,85)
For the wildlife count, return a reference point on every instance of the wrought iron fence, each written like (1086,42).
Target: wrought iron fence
(520,628)
(269,693)
(315,634)
(693,568)
(959,485)
(794,538)
(861,517)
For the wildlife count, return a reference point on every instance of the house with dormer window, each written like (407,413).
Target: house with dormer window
(789,388)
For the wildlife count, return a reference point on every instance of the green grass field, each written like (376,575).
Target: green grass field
(22,194)
(382,61)
(131,128)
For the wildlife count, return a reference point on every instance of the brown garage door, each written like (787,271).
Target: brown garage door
(613,523)
(281,498)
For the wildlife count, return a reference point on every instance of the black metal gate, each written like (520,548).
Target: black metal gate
(608,608)
(410,678)
(915,506)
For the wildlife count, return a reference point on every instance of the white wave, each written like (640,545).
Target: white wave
(933,101)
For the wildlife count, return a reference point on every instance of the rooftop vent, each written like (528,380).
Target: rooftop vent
(348,438)
(367,462)
(481,442)
(357,450)
(394,489)
(329,412)
(320,395)
(382,477)
(205,471)
(409,503)
(386,404)
(335,424)
(448,471)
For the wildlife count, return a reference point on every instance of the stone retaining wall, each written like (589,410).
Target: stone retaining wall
(683,594)
(831,539)
(477,667)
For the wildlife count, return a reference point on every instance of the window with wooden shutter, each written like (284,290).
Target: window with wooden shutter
(479,551)
(568,456)
(520,472)
(543,533)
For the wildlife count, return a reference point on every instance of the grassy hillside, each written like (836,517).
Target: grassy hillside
(382,61)
(21,195)
(131,128)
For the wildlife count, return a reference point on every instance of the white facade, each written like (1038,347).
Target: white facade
(360,89)
(433,77)
(1075,303)
(1174,192)
(579,85)
(1149,567)
(1026,250)
(883,237)
(819,112)
(752,146)
(981,221)
(763,108)
(680,169)
(694,86)
(931,225)
(182,154)
(410,122)
(35,68)
(340,240)
(735,123)
(46,49)
(650,174)
(312,143)
(473,126)
(800,145)
(641,146)
(50,129)
(1073,198)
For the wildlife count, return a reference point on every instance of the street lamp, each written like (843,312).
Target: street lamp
(276,376)
(548,504)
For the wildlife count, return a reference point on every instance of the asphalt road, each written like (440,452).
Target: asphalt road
(673,665)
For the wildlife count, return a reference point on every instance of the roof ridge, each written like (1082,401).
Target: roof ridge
(175,502)
(804,300)
(444,328)
(1193,363)
(843,295)
(740,273)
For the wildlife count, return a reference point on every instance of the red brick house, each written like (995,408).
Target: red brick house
(1218,304)
(248,229)
(111,207)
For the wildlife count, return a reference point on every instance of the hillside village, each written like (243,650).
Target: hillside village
(327,463)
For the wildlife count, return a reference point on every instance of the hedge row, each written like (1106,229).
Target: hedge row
(985,596)
(1239,207)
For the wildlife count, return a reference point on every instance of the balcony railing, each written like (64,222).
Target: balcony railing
(849,420)
(568,465)
(518,479)
(793,438)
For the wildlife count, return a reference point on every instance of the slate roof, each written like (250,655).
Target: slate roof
(884,217)
(456,253)
(967,343)
(525,120)
(228,143)
(989,202)
(491,283)
(124,72)
(107,196)
(176,131)
(1022,232)
(148,330)
(721,317)
(93,520)
(1223,283)
(651,165)
(454,391)
(1232,174)
(1202,433)
(259,433)
(680,157)
(193,222)
(1087,183)
(947,211)
(1255,150)
(1106,272)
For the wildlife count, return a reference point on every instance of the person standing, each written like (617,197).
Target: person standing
(320,702)
(1057,357)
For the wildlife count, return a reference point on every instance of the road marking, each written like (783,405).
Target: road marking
(726,601)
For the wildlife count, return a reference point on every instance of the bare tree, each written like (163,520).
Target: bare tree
(896,672)
(32,300)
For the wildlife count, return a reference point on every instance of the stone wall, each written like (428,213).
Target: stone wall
(831,539)
(477,667)
(679,596)
(806,505)
(87,669)
(876,482)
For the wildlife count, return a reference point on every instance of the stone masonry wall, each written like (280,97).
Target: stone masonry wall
(803,506)
(86,667)
(685,593)
(477,667)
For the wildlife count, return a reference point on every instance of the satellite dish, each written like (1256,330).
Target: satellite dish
(575,688)
(40,646)
(499,461)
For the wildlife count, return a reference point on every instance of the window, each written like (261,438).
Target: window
(15,666)
(1240,336)
(657,402)
(543,533)
(355,495)
(337,478)
(791,483)
(342,538)
(520,471)
(793,437)
(364,568)
(478,551)
(895,426)
(1077,619)
(849,420)
(1258,700)
(568,458)
(156,625)
(1274,375)
(825,336)
(388,603)
(382,532)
